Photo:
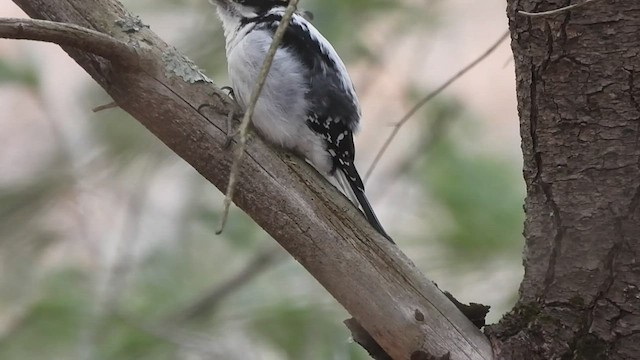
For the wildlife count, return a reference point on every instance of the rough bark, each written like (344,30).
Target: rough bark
(578,99)
(403,311)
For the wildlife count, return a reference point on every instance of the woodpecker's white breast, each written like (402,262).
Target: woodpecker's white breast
(281,111)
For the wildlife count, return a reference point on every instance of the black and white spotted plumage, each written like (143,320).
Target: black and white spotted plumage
(308,104)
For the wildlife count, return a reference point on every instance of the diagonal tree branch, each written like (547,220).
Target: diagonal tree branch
(69,35)
(370,277)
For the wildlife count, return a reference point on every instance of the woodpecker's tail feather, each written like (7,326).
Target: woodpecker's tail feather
(355,193)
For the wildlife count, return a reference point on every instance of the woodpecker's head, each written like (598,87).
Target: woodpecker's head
(249,8)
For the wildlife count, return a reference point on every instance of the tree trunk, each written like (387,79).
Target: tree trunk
(580,125)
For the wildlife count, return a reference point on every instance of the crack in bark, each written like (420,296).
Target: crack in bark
(563,27)
(607,283)
(604,291)
(549,34)
(538,181)
(632,88)
(557,239)
(635,200)
(635,104)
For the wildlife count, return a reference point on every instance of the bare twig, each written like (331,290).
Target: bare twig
(434,132)
(246,120)
(427,98)
(69,35)
(110,105)
(554,12)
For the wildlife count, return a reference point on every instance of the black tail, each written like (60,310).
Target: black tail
(357,189)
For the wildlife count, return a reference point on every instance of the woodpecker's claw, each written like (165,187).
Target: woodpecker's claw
(235,110)
(229,91)
(231,132)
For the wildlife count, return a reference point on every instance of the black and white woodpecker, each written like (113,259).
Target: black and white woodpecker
(308,104)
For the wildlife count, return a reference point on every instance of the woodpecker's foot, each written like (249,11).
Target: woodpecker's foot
(231,115)
(229,91)
(231,132)
(204,106)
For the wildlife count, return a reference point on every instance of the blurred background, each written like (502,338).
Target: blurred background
(107,245)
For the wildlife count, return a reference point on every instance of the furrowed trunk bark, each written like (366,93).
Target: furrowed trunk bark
(578,84)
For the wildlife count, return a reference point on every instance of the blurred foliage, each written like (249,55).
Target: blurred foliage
(124,141)
(53,309)
(24,74)
(480,196)
(50,327)
(296,329)
(22,204)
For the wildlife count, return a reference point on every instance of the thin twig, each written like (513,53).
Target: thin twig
(69,35)
(426,99)
(110,105)
(434,133)
(246,120)
(554,12)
